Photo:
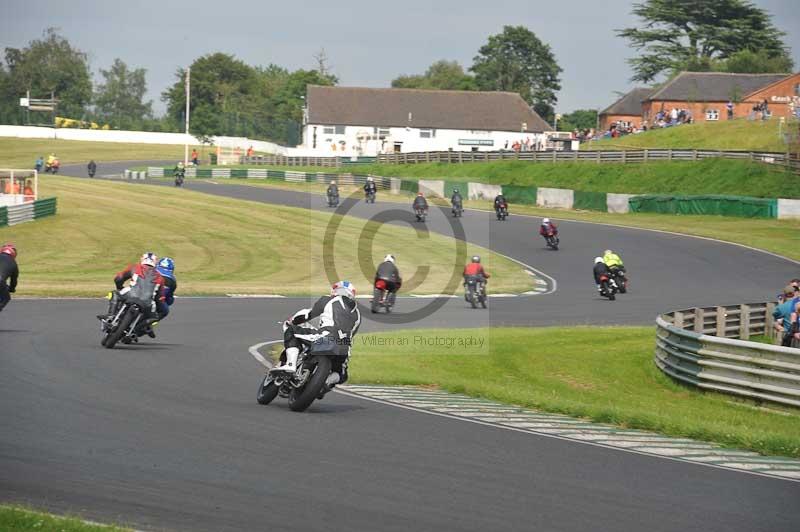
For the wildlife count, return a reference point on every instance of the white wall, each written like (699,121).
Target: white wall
(140,137)
(443,140)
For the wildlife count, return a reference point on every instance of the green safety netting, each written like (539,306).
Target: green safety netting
(203,172)
(741,206)
(45,207)
(450,185)
(518,194)
(409,186)
(238,172)
(589,201)
(276,174)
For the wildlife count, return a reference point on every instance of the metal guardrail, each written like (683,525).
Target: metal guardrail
(708,348)
(18,214)
(551,156)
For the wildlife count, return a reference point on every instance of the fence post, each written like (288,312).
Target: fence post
(646,151)
(694,155)
(744,322)
(427,156)
(624,156)
(597,153)
(721,322)
(769,322)
(554,155)
(677,319)
(699,320)
(669,154)
(575,155)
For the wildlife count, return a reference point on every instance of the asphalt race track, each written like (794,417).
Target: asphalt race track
(167,434)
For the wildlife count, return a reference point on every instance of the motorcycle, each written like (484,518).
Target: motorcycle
(333,200)
(127,323)
(369,196)
(179,176)
(618,275)
(382,297)
(91,173)
(502,211)
(308,381)
(458,209)
(551,240)
(52,168)
(608,288)
(475,291)
(421,214)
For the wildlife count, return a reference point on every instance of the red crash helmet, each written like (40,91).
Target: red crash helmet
(9,249)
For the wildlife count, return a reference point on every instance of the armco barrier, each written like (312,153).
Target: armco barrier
(18,214)
(707,348)
(3,216)
(44,207)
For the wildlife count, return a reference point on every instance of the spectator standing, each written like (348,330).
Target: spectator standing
(729,108)
(783,316)
(250,151)
(39,164)
(195,157)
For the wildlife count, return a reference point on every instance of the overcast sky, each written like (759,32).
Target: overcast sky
(368,43)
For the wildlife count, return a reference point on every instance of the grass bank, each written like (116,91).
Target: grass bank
(20,519)
(22,153)
(222,245)
(709,176)
(738,134)
(605,374)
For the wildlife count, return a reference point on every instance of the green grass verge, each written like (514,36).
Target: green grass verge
(222,245)
(738,134)
(709,176)
(20,519)
(22,153)
(605,374)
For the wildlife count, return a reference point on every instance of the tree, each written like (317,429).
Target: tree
(749,62)
(120,99)
(517,61)
(444,75)
(579,119)
(48,65)
(677,34)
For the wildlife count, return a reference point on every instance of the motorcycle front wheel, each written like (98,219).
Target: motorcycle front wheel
(301,398)
(267,390)
(114,336)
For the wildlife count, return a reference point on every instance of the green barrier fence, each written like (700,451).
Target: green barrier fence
(450,185)
(518,194)
(590,201)
(45,207)
(409,186)
(238,172)
(740,206)
(3,216)
(276,174)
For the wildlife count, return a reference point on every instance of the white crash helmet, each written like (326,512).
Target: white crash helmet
(148,259)
(333,182)
(369,178)
(546,221)
(389,258)
(598,260)
(344,289)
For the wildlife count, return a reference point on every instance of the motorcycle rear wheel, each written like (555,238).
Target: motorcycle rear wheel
(114,336)
(300,399)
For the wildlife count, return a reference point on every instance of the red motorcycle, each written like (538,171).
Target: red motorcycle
(551,239)
(382,297)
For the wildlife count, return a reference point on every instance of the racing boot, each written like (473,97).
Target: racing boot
(291,361)
(332,380)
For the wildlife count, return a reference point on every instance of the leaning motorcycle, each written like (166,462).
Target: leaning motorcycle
(127,323)
(620,279)
(475,291)
(608,288)
(307,383)
(420,214)
(381,297)
(551,240)
(502,211)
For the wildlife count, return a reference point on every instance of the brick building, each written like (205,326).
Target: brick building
(706,94)
(627,110)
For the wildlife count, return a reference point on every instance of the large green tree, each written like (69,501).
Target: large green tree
(517,61)
(119,100)
(693,34)
(49,65)
(579,119)
(443,74)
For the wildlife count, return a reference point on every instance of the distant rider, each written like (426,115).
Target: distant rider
(91,168)
(455,200)
(612,260)
(9,272)
(146,269)
(339,318)
(500,201)
(475,269)
(548,228)
(420,203)
(600,269)
(332,192)
(179,170)
(369,187)
(389,274)
(166,267)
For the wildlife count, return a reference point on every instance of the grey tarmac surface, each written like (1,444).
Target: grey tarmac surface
(167,434)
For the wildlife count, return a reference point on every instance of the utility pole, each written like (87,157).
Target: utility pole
(186,146)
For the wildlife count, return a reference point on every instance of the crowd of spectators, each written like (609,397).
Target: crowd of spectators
(786,314)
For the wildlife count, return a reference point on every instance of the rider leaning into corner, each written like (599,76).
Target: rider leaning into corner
(146,269)
(389,274)
(548,227)
(9,272)
(166,267)
(339,318)
(612,260)
(475,269)
(600,269)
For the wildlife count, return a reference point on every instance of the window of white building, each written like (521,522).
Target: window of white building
(427,133)
(328,131)
(712,114)
(381,132)
(340,130)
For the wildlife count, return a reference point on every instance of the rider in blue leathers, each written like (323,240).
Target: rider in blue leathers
(166,267)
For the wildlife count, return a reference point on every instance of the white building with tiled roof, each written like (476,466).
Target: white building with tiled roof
(350,121)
